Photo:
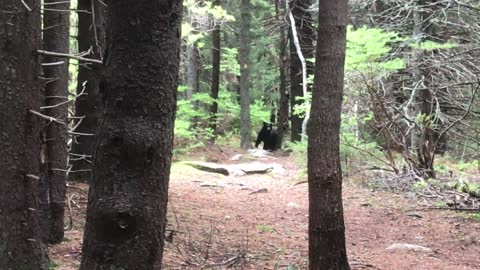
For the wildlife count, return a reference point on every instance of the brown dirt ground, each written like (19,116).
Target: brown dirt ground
(225,225)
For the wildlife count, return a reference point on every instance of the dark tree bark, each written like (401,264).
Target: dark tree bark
(21,246)
(282,117)
(56,39)
(244,61)
(128,195)
(306,36)
(215,75)
(91,34)
(326,225)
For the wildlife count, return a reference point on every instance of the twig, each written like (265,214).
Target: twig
(66,55)
(49,118)
(58,63)
(67,101)
(26,6)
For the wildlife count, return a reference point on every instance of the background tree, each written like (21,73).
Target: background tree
(306,35)
(424,107)
(243,59)
(88,107)
(56,26)
(20,38)
(215,81)
(129,190)
(326,231)
(283,100)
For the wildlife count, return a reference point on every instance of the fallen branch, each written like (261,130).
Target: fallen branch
(208,167)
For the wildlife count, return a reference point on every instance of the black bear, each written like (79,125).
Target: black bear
(268,135)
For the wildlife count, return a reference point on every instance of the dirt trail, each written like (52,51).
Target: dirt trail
(259,221)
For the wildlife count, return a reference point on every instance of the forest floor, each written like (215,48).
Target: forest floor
(260,221)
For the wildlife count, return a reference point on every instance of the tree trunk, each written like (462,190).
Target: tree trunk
(421,138)
(126,214)
(192,71)
(244,61)
(306,35)
(21,246)
(91,34)
(282,123)
(215,76)
(326,225)
(56,39)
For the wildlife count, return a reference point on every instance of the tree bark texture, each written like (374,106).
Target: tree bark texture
(306,36)
(126,214)
(326,225)
(21,246)
(91,34)
(282,123)
(215,75)
(422,136)
(244,61)
(56,39)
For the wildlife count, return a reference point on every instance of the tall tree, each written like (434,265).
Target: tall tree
(56,39)
(91,36)
(326,229)
(21,246)
(215,83)
(306,34)
(282,122)
(421,100)
(126,214)
(244,61)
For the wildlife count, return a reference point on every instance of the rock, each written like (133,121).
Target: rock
(236,157)
(293,205)
(403,246)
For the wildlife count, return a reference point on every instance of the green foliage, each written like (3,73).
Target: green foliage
(420,185)
(302,108)
(196,110)
(53,265)
(466,166)
(367,49)
(299,151)
(265,228)
(203,10)
(229,63)
(432,45)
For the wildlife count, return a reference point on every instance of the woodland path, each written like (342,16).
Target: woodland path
(259,221)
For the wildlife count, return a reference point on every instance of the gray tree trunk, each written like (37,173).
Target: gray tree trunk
(21,245)
(244,61)
(127,204)
(326,231)
(282,118)
(56,39)
(216,40)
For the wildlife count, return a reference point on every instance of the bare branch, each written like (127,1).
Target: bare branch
(46,117)
(73,56)
(26,6)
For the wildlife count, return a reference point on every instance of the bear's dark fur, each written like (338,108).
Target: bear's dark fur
(268,135)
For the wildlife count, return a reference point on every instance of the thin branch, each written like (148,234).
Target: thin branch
(26,6)
(67,101)
(53,64)
(73,56)
(49,118)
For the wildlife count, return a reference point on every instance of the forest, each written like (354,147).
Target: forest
(239,134)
